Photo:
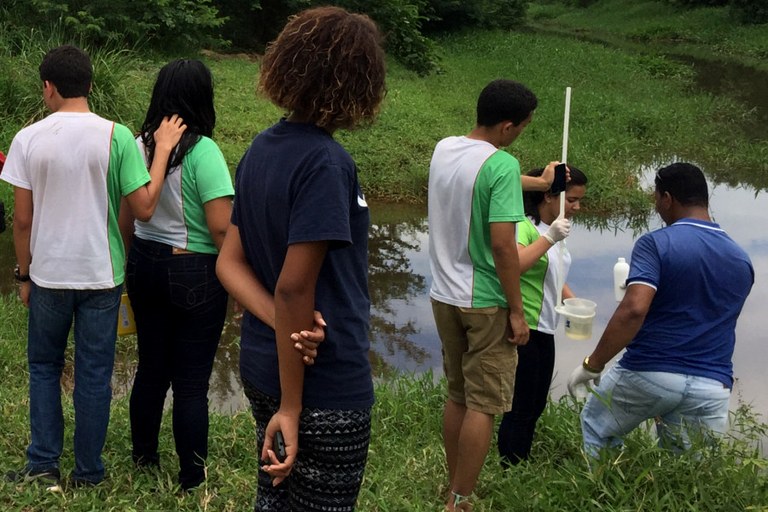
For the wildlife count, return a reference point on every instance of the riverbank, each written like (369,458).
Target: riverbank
(629,110)
(702,32)
(405,471)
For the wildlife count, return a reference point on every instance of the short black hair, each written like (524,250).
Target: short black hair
(533,198)
(685,183)
(505,100)
(69,69)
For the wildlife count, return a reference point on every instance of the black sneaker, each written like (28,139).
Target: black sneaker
(51,478)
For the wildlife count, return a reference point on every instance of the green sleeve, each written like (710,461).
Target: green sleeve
(506,201)
(526,233)
(126,159)
(212,174)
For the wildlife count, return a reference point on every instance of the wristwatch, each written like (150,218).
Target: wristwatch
(18,276)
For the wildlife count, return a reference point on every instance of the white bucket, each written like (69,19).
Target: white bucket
(579,314)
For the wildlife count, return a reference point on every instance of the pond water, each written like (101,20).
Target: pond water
(403,336)
(740,211)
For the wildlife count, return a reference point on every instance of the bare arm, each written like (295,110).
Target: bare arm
(22,232)
(567,292)
(531,253)
(238,278)
(623,325)
(217,214)
(143,200)
(294,305)
(540,183)
(506,259)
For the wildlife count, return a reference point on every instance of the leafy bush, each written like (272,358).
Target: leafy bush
(251,25)
(401,22)
(21,89)
(164,23)
(451,15)
(700,3)
(750,11)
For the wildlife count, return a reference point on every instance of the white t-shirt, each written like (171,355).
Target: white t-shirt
(77,165)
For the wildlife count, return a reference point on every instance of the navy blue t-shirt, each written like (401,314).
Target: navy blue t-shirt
(297,184)
(702,279)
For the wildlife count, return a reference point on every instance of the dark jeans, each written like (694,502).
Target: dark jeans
(51,313)
(535,364)
(179,306)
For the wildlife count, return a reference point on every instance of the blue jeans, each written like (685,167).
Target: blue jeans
(51,312)
(179,306)
(683,405)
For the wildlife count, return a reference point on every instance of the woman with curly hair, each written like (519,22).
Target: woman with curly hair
(300,227)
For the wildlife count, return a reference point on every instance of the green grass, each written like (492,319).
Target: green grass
(704,31)
(406,470)
(629,109)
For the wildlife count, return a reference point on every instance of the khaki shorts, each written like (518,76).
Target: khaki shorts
(478,361)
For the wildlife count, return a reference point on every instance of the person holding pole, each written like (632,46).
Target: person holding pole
(686,287)
(543,269)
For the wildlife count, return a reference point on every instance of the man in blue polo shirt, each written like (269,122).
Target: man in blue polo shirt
(686,287)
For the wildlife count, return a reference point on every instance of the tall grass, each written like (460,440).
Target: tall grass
(406,470)
(21,88)
(628,110)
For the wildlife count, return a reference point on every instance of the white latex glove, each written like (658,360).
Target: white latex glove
(578,382)
(558,230)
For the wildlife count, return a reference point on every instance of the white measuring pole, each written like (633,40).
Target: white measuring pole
(564,159)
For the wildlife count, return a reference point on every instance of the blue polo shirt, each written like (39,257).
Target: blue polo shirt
(297,184)
(702,279)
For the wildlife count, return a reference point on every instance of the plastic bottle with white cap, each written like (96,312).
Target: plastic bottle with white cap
(620,274)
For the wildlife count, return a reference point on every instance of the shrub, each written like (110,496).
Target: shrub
(163,23)
(21,89)
(451,15)
(750,11)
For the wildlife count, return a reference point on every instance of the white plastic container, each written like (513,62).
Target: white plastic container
(620,274)
(579,314)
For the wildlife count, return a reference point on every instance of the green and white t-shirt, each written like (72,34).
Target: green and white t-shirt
(471,185)
(179,220)
(77,165)
(539,284)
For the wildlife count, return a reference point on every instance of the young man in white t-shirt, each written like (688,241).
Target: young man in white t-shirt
(475,200)
(69,172)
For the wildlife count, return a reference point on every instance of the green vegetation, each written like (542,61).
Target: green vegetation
(221,24)
(636,110)
(406,466)
(700,30)
(630,109)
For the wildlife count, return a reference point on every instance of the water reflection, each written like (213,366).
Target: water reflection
(403,335)
(595,245)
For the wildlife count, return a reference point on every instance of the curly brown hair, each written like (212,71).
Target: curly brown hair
(327,65)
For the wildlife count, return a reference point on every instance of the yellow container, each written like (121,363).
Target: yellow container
(125,322)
